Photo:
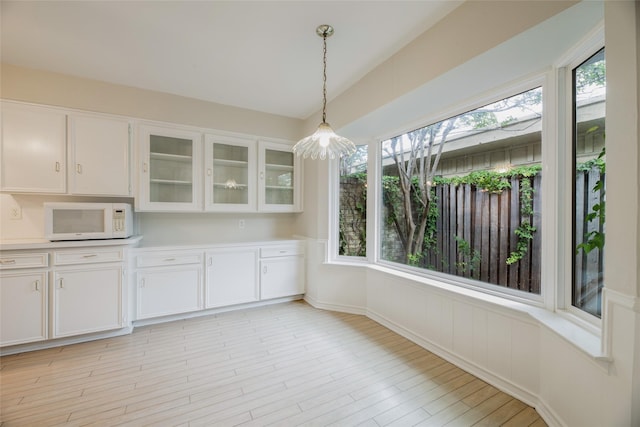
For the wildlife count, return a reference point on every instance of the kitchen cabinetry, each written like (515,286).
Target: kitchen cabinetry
(87,291)
(33,149)
(168,282)
(230,166)
(100,152)
(279,178)
(86,300)
(231,276)
(170,171)
(58,290)
(48,150)
(281,271)
(23,298)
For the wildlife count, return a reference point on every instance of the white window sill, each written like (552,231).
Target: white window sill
(560,323)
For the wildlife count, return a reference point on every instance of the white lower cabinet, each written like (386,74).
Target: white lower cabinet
(86,299)
(174,281)
(81,292)
(170,283)
(281,271)
(23,307)
(231,277)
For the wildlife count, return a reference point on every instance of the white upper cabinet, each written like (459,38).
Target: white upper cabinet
(33,149)
(48,150)
(99,155)
(279,178)
(230,174)
(170,169)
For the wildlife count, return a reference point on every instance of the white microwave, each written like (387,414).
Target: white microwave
(84,221)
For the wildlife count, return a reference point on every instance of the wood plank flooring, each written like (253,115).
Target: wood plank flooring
(284,365)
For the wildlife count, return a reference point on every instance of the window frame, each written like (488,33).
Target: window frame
(510,89)
(334,212)
(593,43)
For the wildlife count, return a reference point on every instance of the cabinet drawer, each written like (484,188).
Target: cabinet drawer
(171,258)
(281,250)
(87,256)
(34,260)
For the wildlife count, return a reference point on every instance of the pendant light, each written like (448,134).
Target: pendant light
(324,142)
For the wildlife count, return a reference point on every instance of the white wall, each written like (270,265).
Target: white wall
(534,354)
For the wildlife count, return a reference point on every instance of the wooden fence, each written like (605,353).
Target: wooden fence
(588,277)
(475,235)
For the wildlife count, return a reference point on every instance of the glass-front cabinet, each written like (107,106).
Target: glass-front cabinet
(279,178)
(170,170)
(230,174)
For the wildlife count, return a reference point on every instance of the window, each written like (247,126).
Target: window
(588,129)
(462,196)
(352,215)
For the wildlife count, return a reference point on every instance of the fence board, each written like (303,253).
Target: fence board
(503,278)
(484,225)
(579,213)
(536,246)
(439,226)
(453,245)
(494,242)
(514,269)
(466,230)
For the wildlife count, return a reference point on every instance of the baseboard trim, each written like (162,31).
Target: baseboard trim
(60,342)
(341,308)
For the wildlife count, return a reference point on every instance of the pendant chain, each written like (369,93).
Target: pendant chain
(324,80)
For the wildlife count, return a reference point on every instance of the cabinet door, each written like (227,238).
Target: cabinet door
(230,166)
(231,277)
(171,170)
(279,179)
(99,155)
(165,291)
(23,308)
(33,149)
(87,300)
(281,277)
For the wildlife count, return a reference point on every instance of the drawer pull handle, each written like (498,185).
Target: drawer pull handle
(61,283)
(169,259)
(37,285)
(283,252)
(57,166)
(90,256)
(79,168)
(264,269)
(7,261)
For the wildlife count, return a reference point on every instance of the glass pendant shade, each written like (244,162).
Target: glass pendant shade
(324,143)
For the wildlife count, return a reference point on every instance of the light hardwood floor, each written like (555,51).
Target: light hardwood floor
(286,364)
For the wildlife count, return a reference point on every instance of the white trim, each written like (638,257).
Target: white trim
(589,45)
(64,341)
(340,308)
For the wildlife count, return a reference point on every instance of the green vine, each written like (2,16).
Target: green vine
(595,239)
(525,230)
(469,257)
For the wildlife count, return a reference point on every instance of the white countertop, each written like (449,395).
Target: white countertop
(18,244)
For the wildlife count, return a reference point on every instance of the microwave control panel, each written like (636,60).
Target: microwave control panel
(119,219)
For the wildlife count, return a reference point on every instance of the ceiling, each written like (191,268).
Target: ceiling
(259,55)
